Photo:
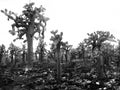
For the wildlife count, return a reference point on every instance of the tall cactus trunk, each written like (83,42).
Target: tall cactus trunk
(12,58)
(15,59)
(101,73)
(1,56)
(66,56)
(102,67)
(29,50)
(41,55)
(24,58)
(29,36)
(83,57)
(58,64)
(36,56)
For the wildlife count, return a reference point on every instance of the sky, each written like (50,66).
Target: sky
(75,18)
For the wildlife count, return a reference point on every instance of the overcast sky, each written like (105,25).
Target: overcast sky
(75,18)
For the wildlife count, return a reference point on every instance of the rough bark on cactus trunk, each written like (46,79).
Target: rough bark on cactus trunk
(58,64)
(30,50)
(30,45)
(101,73)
